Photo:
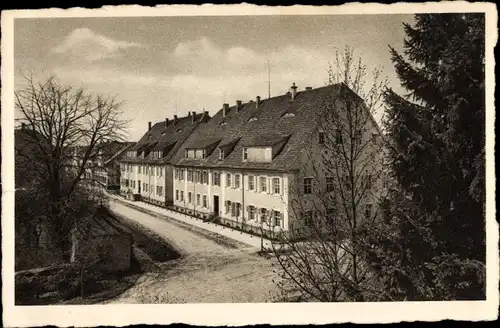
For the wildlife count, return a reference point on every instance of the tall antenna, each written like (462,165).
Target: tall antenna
(268,79)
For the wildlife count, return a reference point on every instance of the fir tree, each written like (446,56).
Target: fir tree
(431,243)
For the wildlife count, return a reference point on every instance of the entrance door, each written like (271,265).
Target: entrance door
(216,204)
(139,187)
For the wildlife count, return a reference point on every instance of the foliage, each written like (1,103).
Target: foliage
(430,244)
(322,259)
(65,128)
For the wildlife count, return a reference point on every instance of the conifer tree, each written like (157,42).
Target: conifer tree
(430,244)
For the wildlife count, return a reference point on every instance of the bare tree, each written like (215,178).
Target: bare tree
(61,118)
(336,193)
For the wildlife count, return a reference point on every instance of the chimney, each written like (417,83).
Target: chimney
(257,101)
(149,126)
(294,91)
(238,105)
(193,117)
(308,88)
(175,119)
(166,121)
(189,114)
(225,109)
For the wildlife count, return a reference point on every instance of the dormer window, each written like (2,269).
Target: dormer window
(179,130)
(288,115)
(223,123)
(245,154)
(186,153)
(252,119)
(221,154)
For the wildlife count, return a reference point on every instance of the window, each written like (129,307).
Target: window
(228,206)
(307,185)
(221,154)
(186,153)
(368,210)
(198,176)
(329,184)
(251,182)
(245,154)
(203,154)
(204,177)
(182,195)
(233,209)
(276,185)
(338,137)
(205,205)
(198,199)
(181,174)
(263,215)
(190,176)
(277,218)
(237,181)
(238,209)
(321,138)
(251,212)
(177,195)
(161,190)
(216,179)
(228,179)
(263,184)
(190,197)
(139,169)
(375,138)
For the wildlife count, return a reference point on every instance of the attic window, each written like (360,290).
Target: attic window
(223,123)
(288,115)
(162,134)
(221,154)
(179,130)
(252,119)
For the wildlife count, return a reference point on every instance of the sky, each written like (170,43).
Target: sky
(161,66)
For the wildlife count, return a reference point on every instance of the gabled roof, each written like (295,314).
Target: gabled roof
(265,140)
(116,156)
(167,136)
(268,128)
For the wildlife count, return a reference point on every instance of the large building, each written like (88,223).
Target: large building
(251,162)
(146,171)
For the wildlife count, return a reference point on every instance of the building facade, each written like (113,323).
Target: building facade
(250,165)
(146,170)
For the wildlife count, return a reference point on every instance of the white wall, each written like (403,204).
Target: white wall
(242,195)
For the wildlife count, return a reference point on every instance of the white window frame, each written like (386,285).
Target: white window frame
(221,154)
(245,153)
(237,181)
(228,180)
(263,186)
(278,185)
(251,182)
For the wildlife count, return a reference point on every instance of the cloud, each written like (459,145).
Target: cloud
(83,43)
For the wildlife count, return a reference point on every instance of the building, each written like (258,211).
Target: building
(250,163)
(107,168)
(146,170)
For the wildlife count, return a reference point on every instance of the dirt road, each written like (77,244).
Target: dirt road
(208,270)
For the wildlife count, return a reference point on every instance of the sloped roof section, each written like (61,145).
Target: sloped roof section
(269,129)
(168,136)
